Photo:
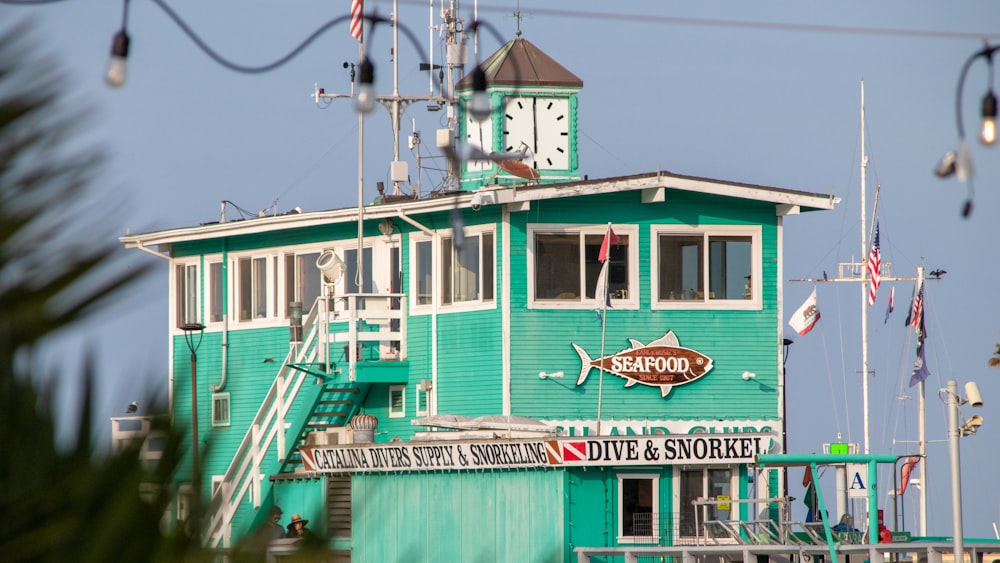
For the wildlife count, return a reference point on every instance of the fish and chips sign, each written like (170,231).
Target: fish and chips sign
(662,363)
(661,450)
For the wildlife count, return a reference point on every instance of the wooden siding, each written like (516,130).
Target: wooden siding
(463,516)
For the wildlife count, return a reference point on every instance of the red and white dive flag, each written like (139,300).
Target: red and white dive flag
(609,238)
(804,318)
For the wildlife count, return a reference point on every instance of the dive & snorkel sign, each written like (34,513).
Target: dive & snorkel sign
(661,450)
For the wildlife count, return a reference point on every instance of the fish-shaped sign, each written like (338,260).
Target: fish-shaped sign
(662,363)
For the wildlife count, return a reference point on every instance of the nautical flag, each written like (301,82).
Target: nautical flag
(609,238)
(874,268)
(804,318)
(602,297)
(916,316)
(810,501)
(357,18)
(889,309)
(908,466)
(920,371)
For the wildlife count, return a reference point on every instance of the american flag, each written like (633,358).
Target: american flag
(874,268)
(357,18)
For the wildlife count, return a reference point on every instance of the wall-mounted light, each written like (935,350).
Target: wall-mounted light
(748,375)
(550,375)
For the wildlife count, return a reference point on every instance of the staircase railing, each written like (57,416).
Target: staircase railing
(249,466)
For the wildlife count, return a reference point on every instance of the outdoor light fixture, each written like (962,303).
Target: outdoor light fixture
(365,101)
(189,331)
(480,106)
(988,134)
(116,74)
(958,161)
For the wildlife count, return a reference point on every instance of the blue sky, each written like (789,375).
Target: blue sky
(764,93)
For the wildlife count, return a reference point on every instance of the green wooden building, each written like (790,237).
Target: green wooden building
(452,387)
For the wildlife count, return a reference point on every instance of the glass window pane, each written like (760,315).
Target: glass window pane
(487,266)
(308,281)
(718,485)
(215,292)
(692,487)
(681,271)
(617,266)
(424,269)
(289,282)
(446,256)
(466,270)
(260,288)
(729,267)
(351,271)
(637,506)
(557,267)
(246,289)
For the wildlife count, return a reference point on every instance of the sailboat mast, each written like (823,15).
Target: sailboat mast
(922,431)
(864,279)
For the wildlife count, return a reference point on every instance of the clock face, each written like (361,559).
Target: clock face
(552,125)
(519,128)
(480,135)
(542,126)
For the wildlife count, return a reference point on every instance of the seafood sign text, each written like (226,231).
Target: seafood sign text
(512,454)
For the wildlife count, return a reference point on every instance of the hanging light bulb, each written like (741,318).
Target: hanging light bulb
(116,73)
(479,107)
(988,134)
(365,101)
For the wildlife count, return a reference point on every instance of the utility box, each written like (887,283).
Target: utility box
(400,171)
(444,138)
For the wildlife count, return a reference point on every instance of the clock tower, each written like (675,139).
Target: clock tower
(534,105)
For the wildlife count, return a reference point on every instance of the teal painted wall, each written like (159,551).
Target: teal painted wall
(464,516)
(737,341)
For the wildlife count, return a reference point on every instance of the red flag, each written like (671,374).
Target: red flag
(357,18)
(908,466)
(609,238)
(808,476)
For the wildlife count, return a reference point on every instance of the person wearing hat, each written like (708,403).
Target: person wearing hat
(297,528)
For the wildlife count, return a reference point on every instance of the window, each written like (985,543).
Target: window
(701,483)
(303,281)
(638,508)
(707,268)
(220,409)
(215,292)
(253,288)
(564,266)
(420,399)
(397,401)
(466,272)
(351,270)
(186,285)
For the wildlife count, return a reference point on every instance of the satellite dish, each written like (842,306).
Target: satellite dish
(331,266)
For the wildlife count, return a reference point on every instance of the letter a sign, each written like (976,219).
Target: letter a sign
(857,480)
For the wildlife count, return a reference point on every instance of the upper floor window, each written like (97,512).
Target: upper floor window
(215,292)
(186,296)
(351,270)
(563,266)
(253,288)
(713,267)
(466,274)
(303,281)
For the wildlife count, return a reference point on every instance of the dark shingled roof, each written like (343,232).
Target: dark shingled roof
(521,63)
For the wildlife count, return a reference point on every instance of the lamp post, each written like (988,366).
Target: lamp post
(786,343)
(952,399)
(189,331)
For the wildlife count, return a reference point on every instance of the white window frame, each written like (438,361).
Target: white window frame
(629,302)
(217,419)
(437,275)
(271,289)
(181,301)
(421,396)
(734,489)
(209,261)
(400,391)
(705,302)
(620,512)
(288,294)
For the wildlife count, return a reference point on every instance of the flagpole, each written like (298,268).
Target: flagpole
(604,325)
(922,434)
